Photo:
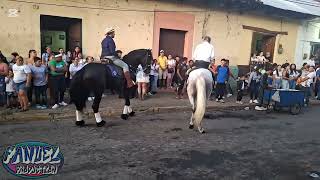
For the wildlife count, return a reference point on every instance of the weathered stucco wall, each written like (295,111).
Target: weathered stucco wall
(136,29)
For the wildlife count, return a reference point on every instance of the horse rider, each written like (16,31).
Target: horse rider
(203,54)
(109,52)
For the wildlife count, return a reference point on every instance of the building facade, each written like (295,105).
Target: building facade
(174,26)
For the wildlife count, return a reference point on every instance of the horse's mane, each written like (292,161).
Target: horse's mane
(134,53)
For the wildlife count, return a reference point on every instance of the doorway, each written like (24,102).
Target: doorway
(265,43)
(172,42)
(60,32)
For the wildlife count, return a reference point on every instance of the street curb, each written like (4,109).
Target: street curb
(7,117)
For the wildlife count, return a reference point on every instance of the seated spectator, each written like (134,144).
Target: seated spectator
(22,80)
(11,95)
(40,80)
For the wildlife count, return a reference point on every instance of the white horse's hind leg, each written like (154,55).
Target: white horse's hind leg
(192,102)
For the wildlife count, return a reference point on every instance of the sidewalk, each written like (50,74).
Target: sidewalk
(111,105)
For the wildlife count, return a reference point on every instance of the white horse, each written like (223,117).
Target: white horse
(199,89)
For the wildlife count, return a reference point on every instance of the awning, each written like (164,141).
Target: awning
(311,7)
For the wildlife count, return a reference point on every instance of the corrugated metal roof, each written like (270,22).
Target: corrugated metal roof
(311,7)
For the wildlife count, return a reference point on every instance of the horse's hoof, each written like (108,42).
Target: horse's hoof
(191,126)
(132,113)
(124,116)
(102,123)
(80,123)
(203,132)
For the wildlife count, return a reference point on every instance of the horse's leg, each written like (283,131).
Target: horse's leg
(191,95)
(95,107)
(127,109)
(79,113)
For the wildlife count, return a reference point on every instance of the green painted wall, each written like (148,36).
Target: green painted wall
(54,39)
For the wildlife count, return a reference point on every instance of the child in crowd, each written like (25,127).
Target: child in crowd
(254,82)
(11,95)
(40,80)
(241,85)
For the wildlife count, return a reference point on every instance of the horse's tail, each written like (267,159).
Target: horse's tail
(201,100)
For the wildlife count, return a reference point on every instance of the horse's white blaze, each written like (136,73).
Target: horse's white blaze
(125,110)
(199,89)
(79,115)
(98,117)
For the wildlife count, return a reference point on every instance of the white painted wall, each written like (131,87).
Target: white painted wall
(308,33)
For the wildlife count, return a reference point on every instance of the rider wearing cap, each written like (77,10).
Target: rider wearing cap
(109,51)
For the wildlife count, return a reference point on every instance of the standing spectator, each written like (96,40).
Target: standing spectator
(46,56)
(190,63)
(154,76)
(10,90)
(241,84)
(74,67)
(171,71)
(254,58)
(213,69)
(77,53)
(182,77)
(40,80)
(261,59)
(30,62)
(318,82)
(277,77)
(228,89)
(119,54)
(311,61)
(4,70)
(285,76)
(293,76)
(254,82)
(65,57)
(142,80)
(14,56)
(162,61)
(264,84)
(57,71)
(306,83)
(89,59)
(222,75)
(22,79)
(175,77)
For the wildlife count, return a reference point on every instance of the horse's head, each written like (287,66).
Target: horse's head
(140,56)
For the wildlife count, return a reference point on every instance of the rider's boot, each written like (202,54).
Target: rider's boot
(130,83)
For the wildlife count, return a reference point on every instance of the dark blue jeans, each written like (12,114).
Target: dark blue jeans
(254,90)
(2,91)
(59,87)
(292,84)
(41,93)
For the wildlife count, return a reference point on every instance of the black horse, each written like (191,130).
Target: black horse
(95,78)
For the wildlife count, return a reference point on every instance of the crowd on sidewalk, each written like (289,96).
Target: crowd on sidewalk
(22,79)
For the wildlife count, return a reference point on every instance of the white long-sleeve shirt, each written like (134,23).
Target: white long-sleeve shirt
(74,68)
(204,52)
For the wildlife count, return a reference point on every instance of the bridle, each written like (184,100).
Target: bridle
(145,61)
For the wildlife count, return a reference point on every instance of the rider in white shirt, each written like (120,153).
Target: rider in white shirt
(204,53)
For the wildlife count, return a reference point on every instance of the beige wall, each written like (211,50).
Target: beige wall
(135,29)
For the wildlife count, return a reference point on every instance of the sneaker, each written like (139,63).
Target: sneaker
(251,101)
(256,101)
(259,108)
(229,95)
(221,100)
(55,106)
(150,94)
(217,100)
(63,104)
(239,102)
(223,97)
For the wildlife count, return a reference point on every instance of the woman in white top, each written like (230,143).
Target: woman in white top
(142,80)
(277,76)
(171,70)
(261,59)
(74,67)
(22,79)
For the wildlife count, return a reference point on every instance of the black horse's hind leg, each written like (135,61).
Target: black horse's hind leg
(79,112)
(127,110)
(95,107)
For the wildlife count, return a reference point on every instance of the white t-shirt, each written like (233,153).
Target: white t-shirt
(294,74)
(9,84)
(171,63)
(311,77)
(73,69)
(154,70)
(204,52)
(20,73)
(311,62)
(276,75)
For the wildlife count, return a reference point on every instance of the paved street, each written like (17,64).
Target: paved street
(237,145)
